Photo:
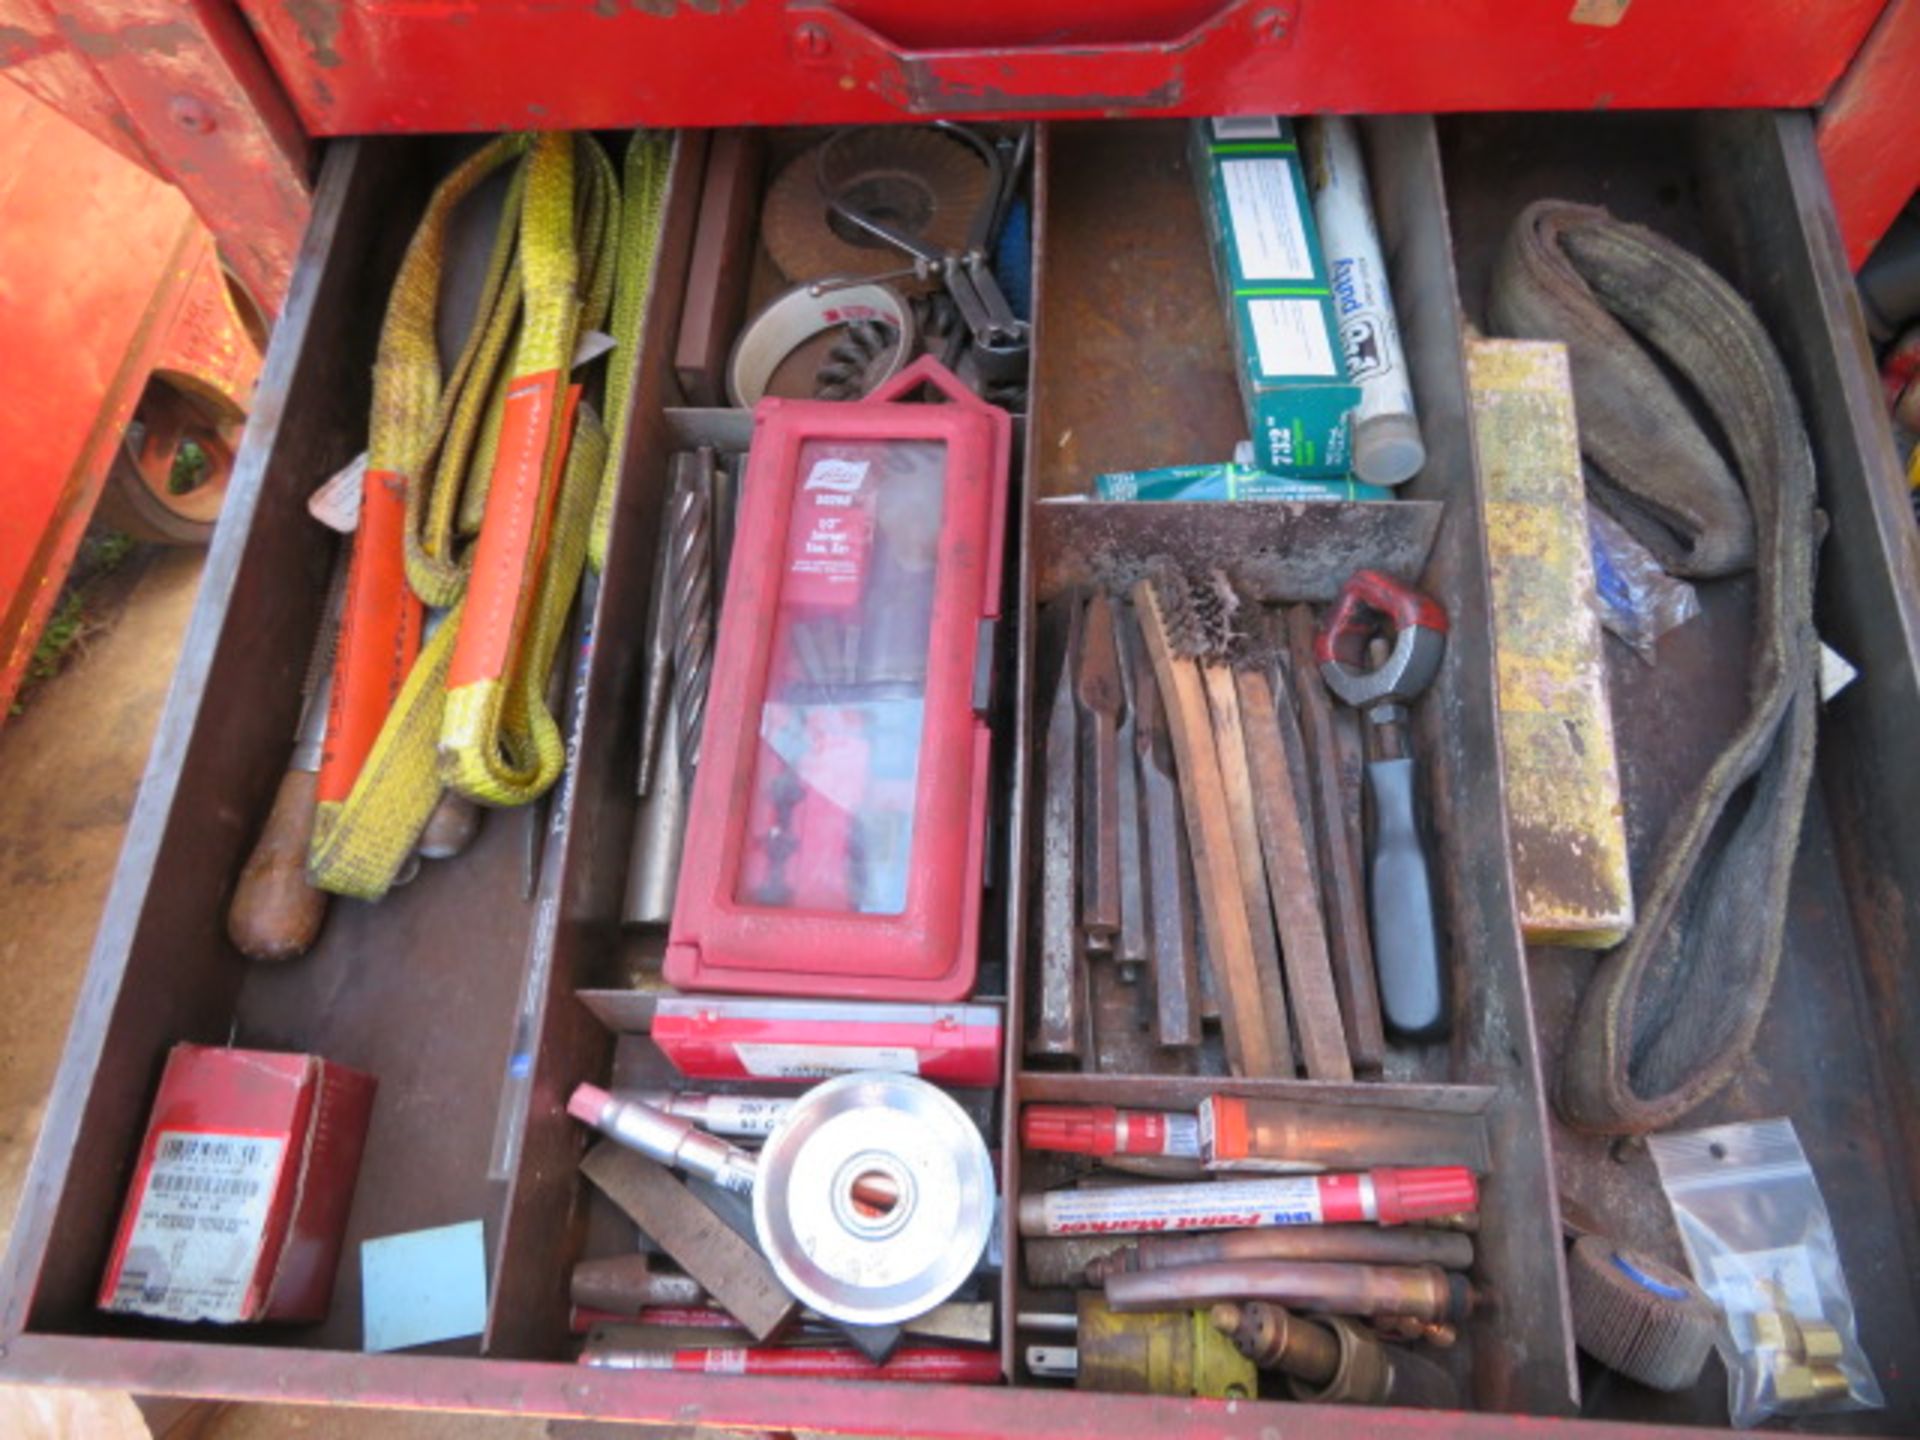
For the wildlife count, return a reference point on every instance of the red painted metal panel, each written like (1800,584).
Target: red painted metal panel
(77,332)
(284,1375)
(1870,131)
(182,88)
(354,66)
(105,278)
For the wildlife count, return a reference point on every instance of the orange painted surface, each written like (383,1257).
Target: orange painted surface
(105,276)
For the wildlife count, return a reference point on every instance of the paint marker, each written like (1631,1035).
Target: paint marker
(1387,1196)
(1103,1130)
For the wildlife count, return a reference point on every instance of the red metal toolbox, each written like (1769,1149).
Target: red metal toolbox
(435,990)
(221,96)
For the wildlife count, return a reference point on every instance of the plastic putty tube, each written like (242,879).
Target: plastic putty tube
(1387,449)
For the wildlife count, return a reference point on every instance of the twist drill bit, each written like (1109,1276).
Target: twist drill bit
(653,707)
(690,591)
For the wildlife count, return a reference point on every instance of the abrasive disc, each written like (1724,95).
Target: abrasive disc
(1637,1316)
(915,179)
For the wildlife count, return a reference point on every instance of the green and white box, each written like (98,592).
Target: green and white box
(1268,260)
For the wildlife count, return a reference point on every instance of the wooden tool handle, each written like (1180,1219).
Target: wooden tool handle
(450,828)
(276,914)
(1223,909)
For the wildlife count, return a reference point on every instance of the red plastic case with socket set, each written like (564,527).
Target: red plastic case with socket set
(838,820)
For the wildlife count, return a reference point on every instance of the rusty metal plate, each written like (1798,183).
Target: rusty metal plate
(1278,551)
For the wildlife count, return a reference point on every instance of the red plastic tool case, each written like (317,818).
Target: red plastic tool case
(839,812)
(710,1038)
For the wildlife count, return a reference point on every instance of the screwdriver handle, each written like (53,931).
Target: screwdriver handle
(275,913)
(1403,906)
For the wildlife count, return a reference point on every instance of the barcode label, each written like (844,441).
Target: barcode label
(201,1221)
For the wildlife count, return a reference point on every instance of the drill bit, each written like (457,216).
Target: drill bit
(728,472)
(653,704)
(690,594)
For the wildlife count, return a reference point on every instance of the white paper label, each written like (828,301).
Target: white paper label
(742,1115)
(1745,1283)
(1247,127)
(336,503)
(1268,234)
(591,346)
(1290,338)
(815,1062)
(1836,673)
(1183,1137)
(200,1226)
(1293,1200)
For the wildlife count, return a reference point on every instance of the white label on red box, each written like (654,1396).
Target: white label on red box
(201,1221)
(817,1062)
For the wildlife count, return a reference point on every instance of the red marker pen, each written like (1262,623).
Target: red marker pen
(929,1365)
(1387,1196)
(1103,1130)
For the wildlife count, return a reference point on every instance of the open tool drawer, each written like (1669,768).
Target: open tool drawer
(440,988)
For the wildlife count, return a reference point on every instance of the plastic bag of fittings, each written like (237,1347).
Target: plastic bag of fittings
(1639,601)
(1760,1244)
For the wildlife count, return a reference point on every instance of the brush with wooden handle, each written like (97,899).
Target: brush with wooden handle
(275,913)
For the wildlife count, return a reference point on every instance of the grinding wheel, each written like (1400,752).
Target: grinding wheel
(1637,1316)
(915,179)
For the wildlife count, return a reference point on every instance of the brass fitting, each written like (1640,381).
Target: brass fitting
(1333,1361)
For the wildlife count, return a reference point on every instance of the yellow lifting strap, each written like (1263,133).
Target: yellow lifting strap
(400,783)
(380,628)
(642,201)
(492,748)
(512,444)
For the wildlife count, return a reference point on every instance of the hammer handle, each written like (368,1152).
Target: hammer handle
(276,914)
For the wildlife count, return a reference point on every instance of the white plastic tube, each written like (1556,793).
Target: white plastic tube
(1387,449)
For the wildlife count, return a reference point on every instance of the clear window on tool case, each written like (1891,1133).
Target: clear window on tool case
(832,810)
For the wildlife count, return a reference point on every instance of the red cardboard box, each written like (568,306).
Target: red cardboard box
(240,1198)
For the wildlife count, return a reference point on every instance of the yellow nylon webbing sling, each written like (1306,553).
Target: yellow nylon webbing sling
(553,271)
(380,625)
